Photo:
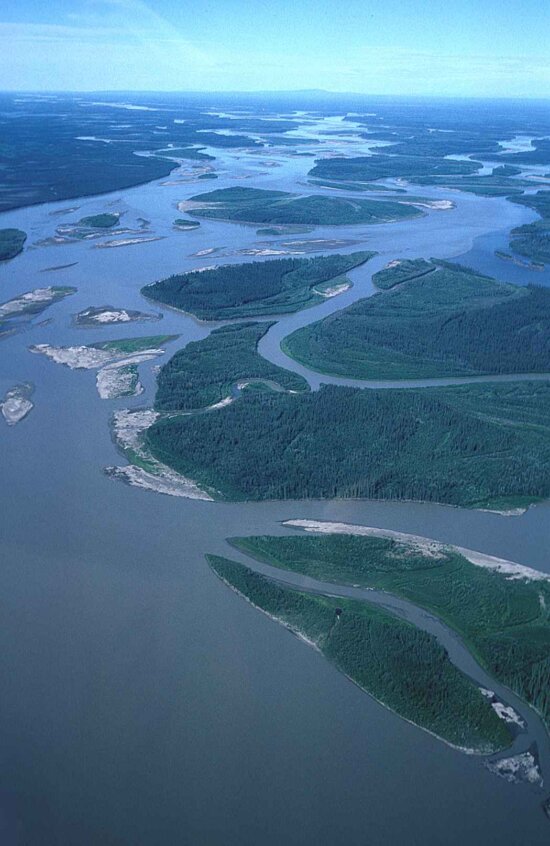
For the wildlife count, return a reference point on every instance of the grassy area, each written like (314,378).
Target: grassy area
(252,289)
(451,322)
(401,270)
(475,445)
(204,372)
(11,243)
(135,345)
(252,205)
(404,668)
(100,221)
(504,621)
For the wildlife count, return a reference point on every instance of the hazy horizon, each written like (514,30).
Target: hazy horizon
(484,49)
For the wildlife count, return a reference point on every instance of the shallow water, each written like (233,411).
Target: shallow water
(142,701)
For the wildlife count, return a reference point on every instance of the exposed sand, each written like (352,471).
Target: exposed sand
(16,403)
(426,546)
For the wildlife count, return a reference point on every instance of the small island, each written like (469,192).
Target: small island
(11,243)
(17,403)
(116,361)
(183,225)
(254,288)
(107,315)
(498,608)
(401,666)
(368,168)
(31,303)
(255,205)
(105,220)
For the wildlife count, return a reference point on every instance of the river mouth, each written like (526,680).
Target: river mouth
(139,695)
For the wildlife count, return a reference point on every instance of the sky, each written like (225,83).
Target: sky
(464,48)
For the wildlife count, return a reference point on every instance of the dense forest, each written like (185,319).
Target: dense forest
(404,668)
(475,445)
(366,168)
(504,621)
(106,220)
(533,239)
(254,205)
(452,322)
(401,270)
(254,288)
(205,372)
(11,243)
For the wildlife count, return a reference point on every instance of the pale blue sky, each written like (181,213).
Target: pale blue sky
(433,47)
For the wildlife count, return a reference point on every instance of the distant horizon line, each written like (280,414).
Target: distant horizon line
(272,92)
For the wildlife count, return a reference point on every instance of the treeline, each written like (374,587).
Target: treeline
(503,620)
(401,270)
(447,323)
(256,206)
(388,444)
(11,243)
(533,239)
(365,168)
(253,288)
(205,372)
(401,666)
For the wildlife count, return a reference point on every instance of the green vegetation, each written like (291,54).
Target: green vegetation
(34,302)
(533,239)
(185,153)
(100,221)
(505,622)
(540,155)
(207,176)
(479,445)
(404,668)
(135,345)
(483,186)
(11,243)
(252,289)
(285,230)
(205,372)
(181,223)
(252,205)
(367,168)
(401,270)
(452,322)
(355,186)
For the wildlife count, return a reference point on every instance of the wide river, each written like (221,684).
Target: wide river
(142,701)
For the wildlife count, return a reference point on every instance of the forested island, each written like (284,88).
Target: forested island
(367,168)
(105,220)
(444,321)
(205,372)
(501,616)
(401,270)
(402,667)
(533,239)
(478,445)
(254,288)
(11,243)
(255,205)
